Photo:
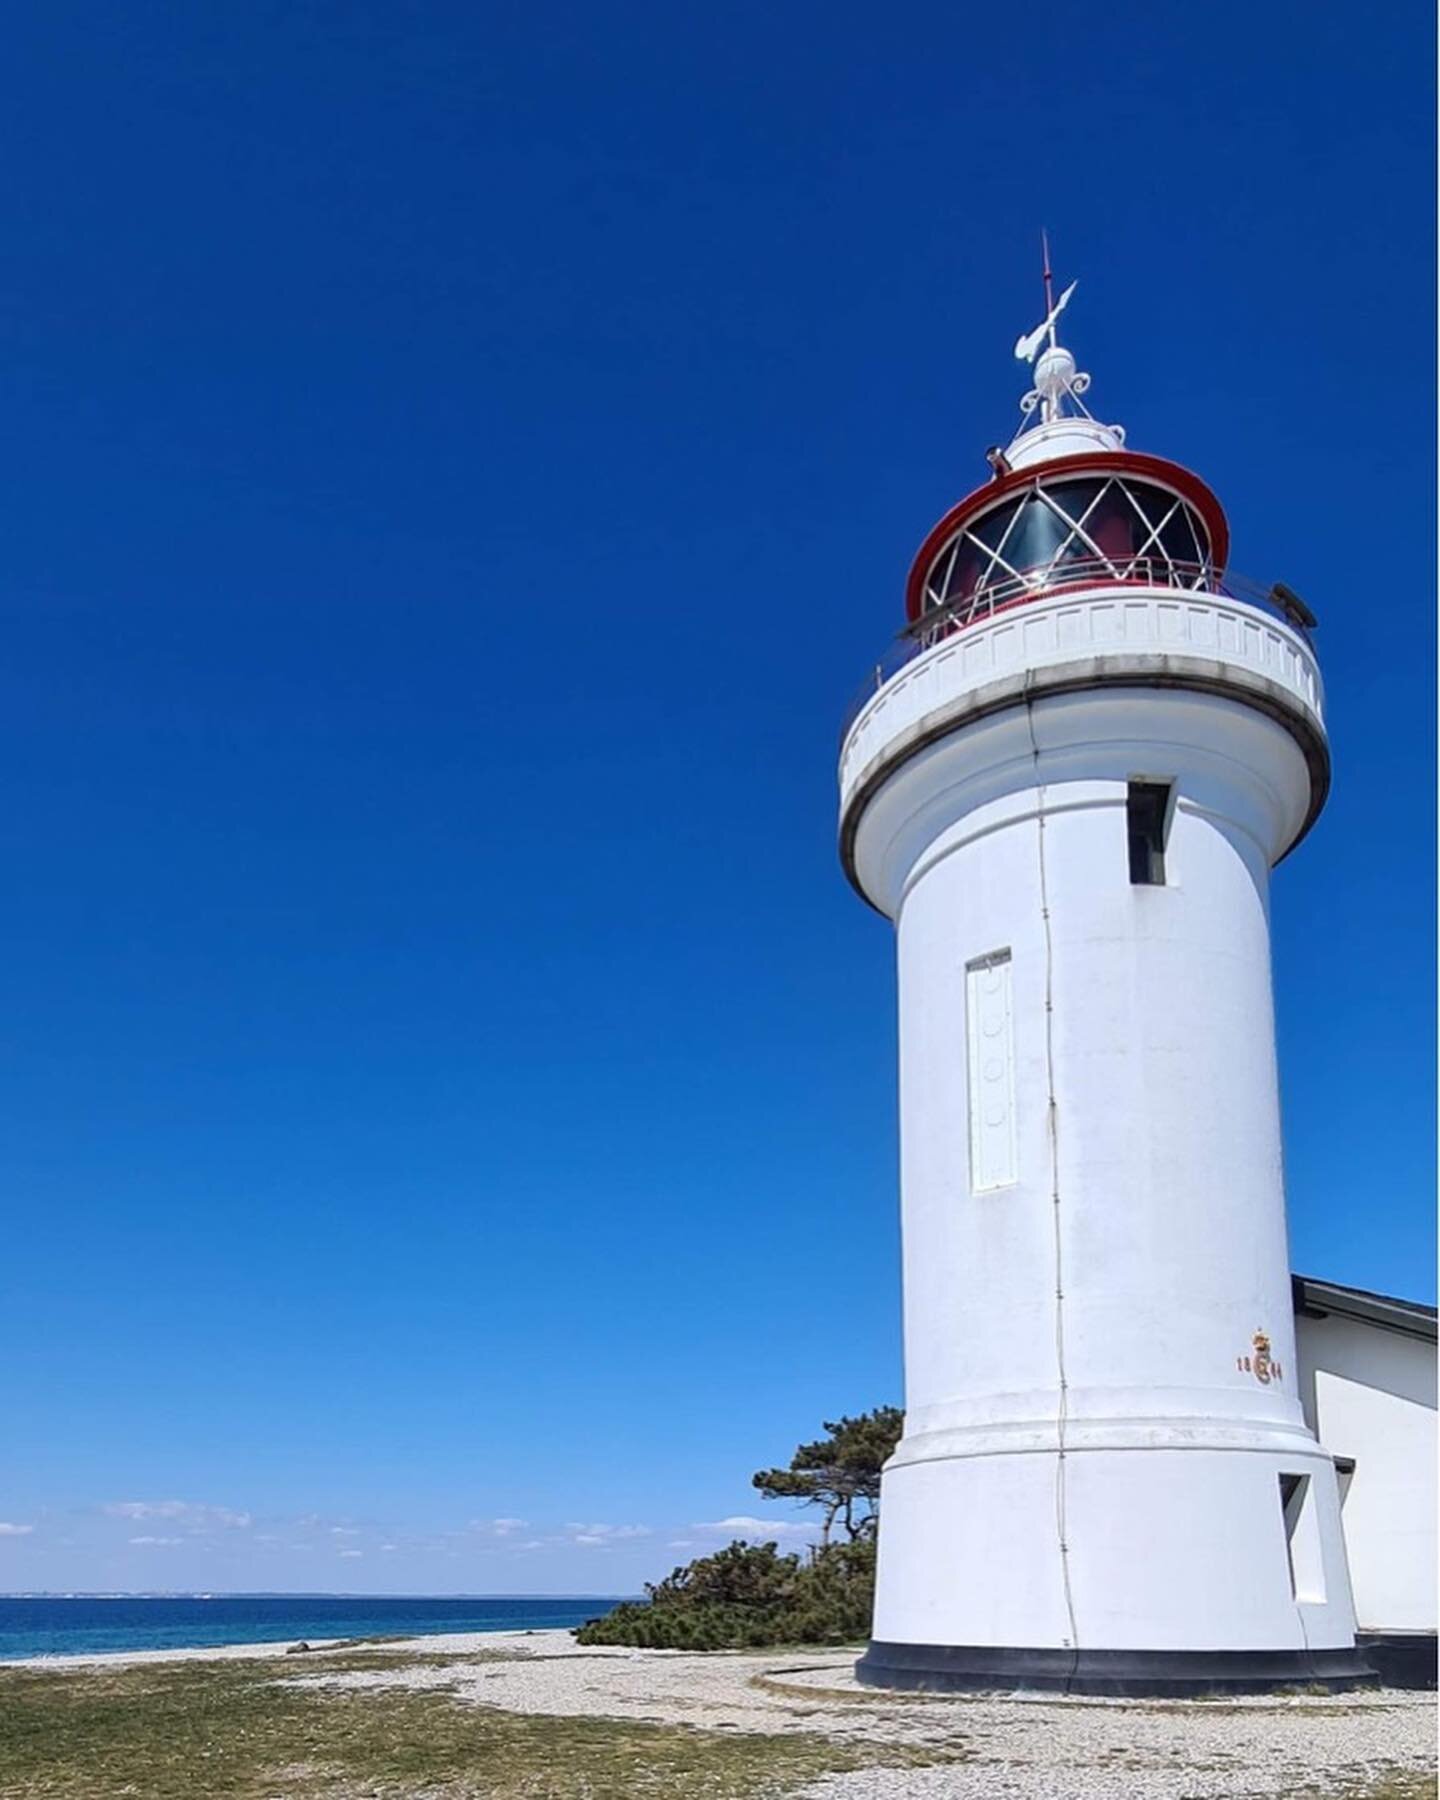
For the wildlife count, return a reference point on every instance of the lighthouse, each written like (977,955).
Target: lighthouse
(1067,788)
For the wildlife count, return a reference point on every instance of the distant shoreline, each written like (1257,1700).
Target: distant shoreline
(67,1626)
(280,1594)
(431,1642)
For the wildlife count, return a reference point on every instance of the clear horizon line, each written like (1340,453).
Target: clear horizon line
(275,1594)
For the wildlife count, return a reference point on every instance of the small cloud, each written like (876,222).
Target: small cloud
(681,1544)
(389,1546)
(742,1525)
(352,1552)
(156,1540)
(605,1534)
(8,1530)
(344,1531)
(184,1512)
(532,1544)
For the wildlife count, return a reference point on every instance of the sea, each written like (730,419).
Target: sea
(82,1625)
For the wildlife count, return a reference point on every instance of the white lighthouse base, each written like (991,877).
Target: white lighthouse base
(1107,1484)
(1177,1571)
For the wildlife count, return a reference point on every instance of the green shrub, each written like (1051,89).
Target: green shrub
(749,1596)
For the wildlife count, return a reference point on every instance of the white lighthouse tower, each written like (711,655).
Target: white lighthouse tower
(1068,794)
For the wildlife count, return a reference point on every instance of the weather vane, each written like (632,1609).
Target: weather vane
(1056,375)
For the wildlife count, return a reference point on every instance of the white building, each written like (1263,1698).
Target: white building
(1366,1366)
(1068,795)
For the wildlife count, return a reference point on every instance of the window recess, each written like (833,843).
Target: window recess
(1147,826)
(1302,1539)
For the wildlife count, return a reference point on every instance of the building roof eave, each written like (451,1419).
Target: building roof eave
(1316,1299)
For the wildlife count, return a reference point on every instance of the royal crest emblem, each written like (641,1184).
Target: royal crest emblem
(1260,1363)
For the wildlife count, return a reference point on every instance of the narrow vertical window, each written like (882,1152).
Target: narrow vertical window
(1147,820)
(990,1047)
(1302,1538)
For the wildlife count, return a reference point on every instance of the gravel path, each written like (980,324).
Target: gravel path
(1013,1748)
(1009,1747)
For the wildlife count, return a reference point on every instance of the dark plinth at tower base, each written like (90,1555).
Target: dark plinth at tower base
(1119,1674)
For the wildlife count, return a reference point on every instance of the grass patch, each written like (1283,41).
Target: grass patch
(1395,1784)
(1401,1784)
(231,1731)
(853,1697)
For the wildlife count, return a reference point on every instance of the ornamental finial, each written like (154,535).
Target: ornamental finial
(1056,376)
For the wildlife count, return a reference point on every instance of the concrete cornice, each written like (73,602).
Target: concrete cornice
(1124,669)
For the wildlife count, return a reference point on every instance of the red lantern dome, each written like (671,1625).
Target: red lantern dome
(1069,505)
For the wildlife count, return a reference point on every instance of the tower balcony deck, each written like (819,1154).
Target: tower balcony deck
(1073,628)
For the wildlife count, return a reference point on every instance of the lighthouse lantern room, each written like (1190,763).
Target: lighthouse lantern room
(1067,788)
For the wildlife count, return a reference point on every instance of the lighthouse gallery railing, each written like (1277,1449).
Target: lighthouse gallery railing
(1050,579)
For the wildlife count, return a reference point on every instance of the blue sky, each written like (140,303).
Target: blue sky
(457,462)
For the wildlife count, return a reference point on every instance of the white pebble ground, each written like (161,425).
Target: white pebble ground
(1014,1748)
(1011,1747)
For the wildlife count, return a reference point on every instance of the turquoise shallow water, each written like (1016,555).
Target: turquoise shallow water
(81,1626)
